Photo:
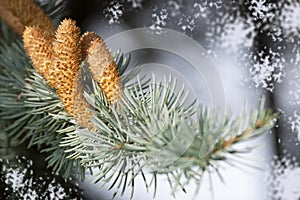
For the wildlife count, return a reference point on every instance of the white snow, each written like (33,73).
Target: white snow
(186,23)
(29,187)
(267,69)
(135,3)
(294,122)
(159,20)
(261,9)
(283,180)
(289,18)
(114,11)
(237,34)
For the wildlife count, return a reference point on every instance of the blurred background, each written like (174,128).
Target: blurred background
(255,46)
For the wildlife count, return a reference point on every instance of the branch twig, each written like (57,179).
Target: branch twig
(235,139)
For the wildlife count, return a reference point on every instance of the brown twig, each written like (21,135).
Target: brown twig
(235,139)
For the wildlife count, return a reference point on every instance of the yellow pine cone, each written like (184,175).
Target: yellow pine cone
(59,63)
(110,83)
(67,56)
(81,107)
(103,69)
(39,48)
(26,13)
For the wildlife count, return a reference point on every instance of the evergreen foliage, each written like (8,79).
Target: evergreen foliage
(151,129)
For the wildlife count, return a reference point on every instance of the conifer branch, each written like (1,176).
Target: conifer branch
(76,105)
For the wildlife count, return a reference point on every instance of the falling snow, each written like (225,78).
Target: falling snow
(267,69)
(114,11)
(203,9)
(231,34)
(207,4)
(187,23)
(174,14)
(294,122)
(239,33)
(135,3)
(159,20)
(260,9)
(294,86)
(200,10)
(283,180)
(289,19)
(174,8)
(20,182)
(294,92)
(297,56)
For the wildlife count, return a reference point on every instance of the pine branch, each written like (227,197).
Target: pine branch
(136,128)
(34,112)
(150,131)
(29,107)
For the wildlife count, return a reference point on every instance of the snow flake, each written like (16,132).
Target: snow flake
(187,23)
(289,18)
(114,11)
(239,33)
(19,182)
(211,4)
(294,121)
(159,17)
(266,68)
(16,179)
(283,180)
(174,7)
(294,93)
(260,9)
(297,57)
(135,3)
(231,33)
(202,9)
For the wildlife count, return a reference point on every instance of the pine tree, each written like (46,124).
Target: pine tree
(66,94)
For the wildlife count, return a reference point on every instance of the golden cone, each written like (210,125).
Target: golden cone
(66,60)
(59,63)
(103,69)
(39,48)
